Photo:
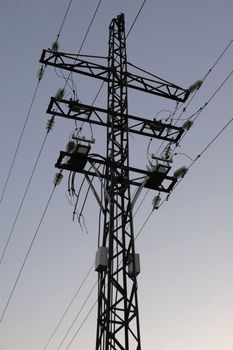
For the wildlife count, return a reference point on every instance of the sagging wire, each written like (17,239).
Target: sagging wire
(69,81)
(161,111)
(68,308)
(168,152)
(183,154)
(206,75)
(197,87)
(100,212)
(49,127)
(74,202)
(196,114)
(135,19)
(57,180)
(148,150)
(84,320)
(70,76)
(92,289)
(193,162)
(92,308)
(39,76)
(199,155)
(76,317)
(80,214)
(63,20)
(55,48)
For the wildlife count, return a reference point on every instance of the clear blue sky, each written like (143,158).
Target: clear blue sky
(186,280)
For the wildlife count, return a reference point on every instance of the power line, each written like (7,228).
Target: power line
(201,109)
(78,330)
(84,39)
(64,314)
(64,19)
(67,309)
(135,19)
(80,310)
(196,114)
(89,27)
(92,308)
(20,139)
(22,201)
(199,155)
(131,27)
(29,111)
(27,254)
(213,95)
(95,303)
(194,94)
(211,142)
(218,59)
(206,75)
(34,168)
(193,162)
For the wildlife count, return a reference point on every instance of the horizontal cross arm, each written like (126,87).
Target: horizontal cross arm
(157,86)
(158,178)
(71,109)
(73,63)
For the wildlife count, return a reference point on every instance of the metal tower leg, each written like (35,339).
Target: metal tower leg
(118,319)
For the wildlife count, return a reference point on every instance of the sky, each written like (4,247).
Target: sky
(186,247)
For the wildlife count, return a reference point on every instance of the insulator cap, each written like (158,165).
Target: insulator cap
(60,93)
(57,179)
(40,73)
(195,86)
(179,173)
(187,124)
(167,152)
(55,46)
(156,201)
(50,124)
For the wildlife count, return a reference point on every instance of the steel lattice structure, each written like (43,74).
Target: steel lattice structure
(118,319)
(117,315)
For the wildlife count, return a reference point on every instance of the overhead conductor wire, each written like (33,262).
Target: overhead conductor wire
(20,139)
(194,94)
(32,242)
(199,155)
(89,271)
(22,201)
(77,292)
(197,115)
(200,110)
(49,127)
(27,254)
(29,111)
(206,75)
(147,219)
(194,161)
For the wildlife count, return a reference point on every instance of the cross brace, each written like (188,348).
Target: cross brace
(85,113)
(73,63)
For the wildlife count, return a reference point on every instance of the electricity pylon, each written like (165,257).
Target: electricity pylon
(117,262)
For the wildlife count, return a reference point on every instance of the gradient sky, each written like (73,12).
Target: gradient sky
(186,248)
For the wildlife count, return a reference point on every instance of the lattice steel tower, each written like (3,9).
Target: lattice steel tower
(116,261)
(118,319)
